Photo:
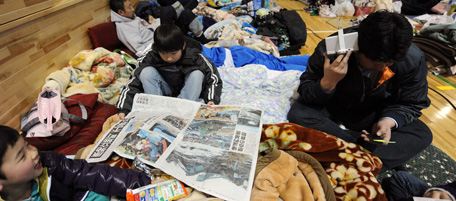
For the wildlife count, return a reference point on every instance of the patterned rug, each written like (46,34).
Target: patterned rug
(432,166)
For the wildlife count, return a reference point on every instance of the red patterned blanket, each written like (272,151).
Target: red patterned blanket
(352,169)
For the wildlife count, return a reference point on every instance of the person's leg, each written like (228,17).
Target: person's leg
(410,140)
(189,4)
(403,186)
(153,82)
(167,15)
(188,21)
(318,119)
(193,86)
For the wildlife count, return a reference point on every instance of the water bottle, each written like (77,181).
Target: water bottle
(451,6)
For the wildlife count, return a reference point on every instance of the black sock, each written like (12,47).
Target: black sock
(202,39)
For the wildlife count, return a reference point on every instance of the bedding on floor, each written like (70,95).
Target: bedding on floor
(332,168)
(238,31)
(91,71)
(256,86)
(351,169)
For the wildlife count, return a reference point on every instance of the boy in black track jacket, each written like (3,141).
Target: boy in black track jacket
(174,67)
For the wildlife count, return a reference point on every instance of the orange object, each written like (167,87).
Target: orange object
(364,10)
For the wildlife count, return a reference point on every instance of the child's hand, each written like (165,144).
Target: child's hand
(120,116)
(211,103)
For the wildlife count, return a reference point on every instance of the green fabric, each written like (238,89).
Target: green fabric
(35,196)
(432,166)
(43,183)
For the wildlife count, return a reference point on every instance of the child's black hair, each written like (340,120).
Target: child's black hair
(168,38)
(117,5)
(8,137)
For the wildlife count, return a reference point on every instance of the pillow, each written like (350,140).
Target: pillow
(105,35)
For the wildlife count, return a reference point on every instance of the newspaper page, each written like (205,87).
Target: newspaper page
(147,130)
(217,153)
(212,148)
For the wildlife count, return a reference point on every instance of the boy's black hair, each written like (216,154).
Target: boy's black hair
(385,36)
(168,38)
(8,137)
(117,5)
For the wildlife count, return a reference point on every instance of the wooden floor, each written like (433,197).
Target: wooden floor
(440,116)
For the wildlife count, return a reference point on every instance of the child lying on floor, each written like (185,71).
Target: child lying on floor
(28,174)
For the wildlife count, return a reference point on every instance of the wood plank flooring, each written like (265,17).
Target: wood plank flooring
(440,116)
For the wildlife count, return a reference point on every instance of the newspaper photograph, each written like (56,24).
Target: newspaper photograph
(212,148)
(157,119)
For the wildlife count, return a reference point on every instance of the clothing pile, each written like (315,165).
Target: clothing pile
(438,42)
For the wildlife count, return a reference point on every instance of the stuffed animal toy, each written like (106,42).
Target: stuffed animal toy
(383,5)
(343,8)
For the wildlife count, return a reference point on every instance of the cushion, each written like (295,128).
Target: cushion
(90,131)
(105,35)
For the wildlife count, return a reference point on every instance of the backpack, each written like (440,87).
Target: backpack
(49,116)
(287,26)
(146,8)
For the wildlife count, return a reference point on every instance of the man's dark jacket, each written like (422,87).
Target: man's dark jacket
(401,92)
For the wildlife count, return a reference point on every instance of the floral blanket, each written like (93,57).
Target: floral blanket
(352,170)
(238,31)
(256,86)
(91,71)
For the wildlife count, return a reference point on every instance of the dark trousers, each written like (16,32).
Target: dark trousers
(402,186)
(169,16)
(410,139)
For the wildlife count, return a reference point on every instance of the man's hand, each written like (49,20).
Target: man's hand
(211,103)
(334,72)
(382,129)
(437,195)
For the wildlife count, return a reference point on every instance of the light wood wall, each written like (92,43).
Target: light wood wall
(13,9)
(33,46)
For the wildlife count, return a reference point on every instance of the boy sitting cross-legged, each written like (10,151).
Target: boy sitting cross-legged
(175,66)
(28,174)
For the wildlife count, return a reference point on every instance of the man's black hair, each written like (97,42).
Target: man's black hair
(385,36)
(117,5)
(168,38)
(8,137)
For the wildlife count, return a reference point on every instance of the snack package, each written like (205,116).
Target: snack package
(163,191)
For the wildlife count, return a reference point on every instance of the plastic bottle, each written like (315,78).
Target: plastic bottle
(451,6)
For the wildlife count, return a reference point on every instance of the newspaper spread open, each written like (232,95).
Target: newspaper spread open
(212,148)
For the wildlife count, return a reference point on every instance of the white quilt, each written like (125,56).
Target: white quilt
(256,86)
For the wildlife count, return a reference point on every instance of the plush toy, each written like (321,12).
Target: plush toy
(383,5)
(343,8)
